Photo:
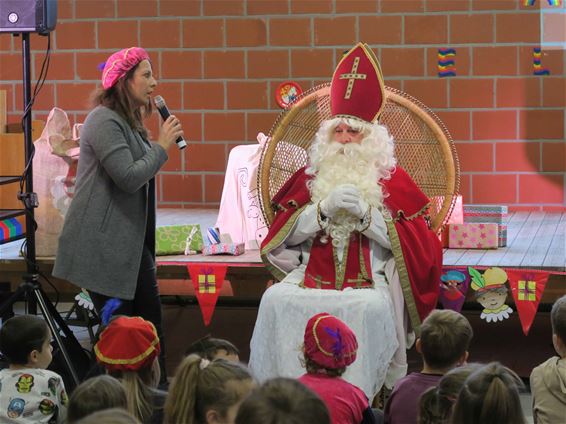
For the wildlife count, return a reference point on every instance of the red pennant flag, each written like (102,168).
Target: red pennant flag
(207,280)
(527,287)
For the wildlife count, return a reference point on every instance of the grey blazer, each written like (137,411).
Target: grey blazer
(102,239)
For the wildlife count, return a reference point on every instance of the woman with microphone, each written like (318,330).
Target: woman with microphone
(107,244)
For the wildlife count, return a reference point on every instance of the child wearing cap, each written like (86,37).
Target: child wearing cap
(330,346)
(28,391)
(443,344)
(128,348)
(207,392)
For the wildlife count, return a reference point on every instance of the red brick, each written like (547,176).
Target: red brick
(311,6)
(494,188)
(380,29)
(61,66)
(268,64)
(247,95)
(475,157)
(267,7)
(470,93)
(182,187)
(541,188)
(175,161)
(553,91)
(245,32)
(431,92)
(223,7)
(74,96)
(137,9)
(179,8)
(472,28)
(518,92)
(87,65)
(160,33)
(213,185)
(75,35)
(335,31)
(553,60)
(402,62)
(38,43)
(495,60)
(403,6)
(289,32)
(259,122)
(457,123)
(554,157)
(494,4)
(554,28)
(541,124)
(6,42)
(447,5)
(461,61)
(10,66)
(517,157)
(66,9)
(356,6)
(224,64)
(117,34)
(95,9)
(192,125)
(517,28)
(181,64)
(204,95)
(172,92)
(45,99)
(207,157)
(312,63)
(203,33)
(494,125)
(466,188)
(426,29)
(224,127)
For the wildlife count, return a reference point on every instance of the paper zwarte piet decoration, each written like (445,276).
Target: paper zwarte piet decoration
(491,293)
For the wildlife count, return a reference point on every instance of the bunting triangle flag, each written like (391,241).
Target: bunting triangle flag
(454,284)
(527,287)
(207,280)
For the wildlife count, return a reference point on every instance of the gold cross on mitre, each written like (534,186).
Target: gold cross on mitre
(352,77)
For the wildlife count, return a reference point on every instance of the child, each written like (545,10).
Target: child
(436,404)
(443,345)
(211,348)
(282,401)
(205,392)
(96,394)
(128,348)
(329,347)
(110,416)
(490,395)
(29,392)
(548,380)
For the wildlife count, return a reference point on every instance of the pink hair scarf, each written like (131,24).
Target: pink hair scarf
(119,63)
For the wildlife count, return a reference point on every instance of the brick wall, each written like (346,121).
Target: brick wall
(219,62)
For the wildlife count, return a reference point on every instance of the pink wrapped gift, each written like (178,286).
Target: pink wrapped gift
(224,249)
(472,235)
(456,216)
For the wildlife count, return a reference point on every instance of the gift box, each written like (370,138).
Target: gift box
(224,249)
(502,236)
(473,236)
(456,216)
(177,239)
(485,213)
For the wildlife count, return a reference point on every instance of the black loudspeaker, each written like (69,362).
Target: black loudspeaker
(18,16)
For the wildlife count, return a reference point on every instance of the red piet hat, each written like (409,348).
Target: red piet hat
(127,344)
(329,342)
(357,89)
(119,63)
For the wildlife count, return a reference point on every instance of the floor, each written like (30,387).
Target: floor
(84,339)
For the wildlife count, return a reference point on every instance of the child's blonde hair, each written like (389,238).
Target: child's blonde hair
(200,385)
(96,394)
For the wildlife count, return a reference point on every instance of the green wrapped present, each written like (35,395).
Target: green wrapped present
(178,239)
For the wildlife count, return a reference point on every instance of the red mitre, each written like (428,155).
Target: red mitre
(357,89)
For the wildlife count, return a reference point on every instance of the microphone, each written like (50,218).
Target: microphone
(164,112)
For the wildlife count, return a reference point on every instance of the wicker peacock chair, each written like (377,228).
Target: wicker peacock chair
(423,147)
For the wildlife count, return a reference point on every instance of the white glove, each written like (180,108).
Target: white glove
(358,209)
(345,196)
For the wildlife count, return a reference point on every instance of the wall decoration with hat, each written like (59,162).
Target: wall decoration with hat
(491,293)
